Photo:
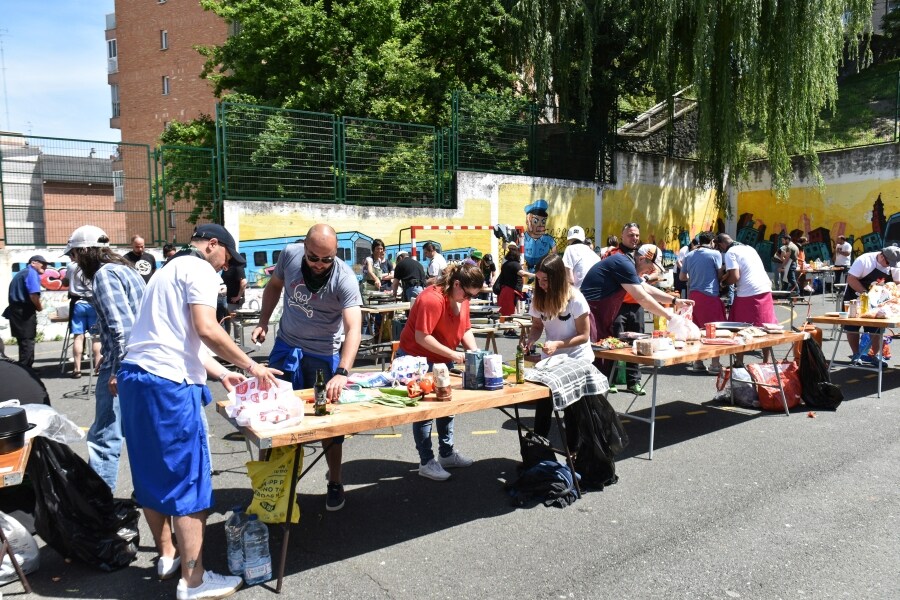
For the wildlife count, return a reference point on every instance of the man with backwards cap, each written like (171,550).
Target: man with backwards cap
(163,389)
(579,256)
(867,269)
(24,304)
(116,292)
(606,283)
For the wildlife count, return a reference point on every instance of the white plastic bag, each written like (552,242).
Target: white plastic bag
(23,546)
(272,408)
(683,329)
(408,368)
(49,423)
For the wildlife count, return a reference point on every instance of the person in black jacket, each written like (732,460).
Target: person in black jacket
(411,274)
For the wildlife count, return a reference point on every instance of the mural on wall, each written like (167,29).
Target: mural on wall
(867,213)
(667,216)
(263,235)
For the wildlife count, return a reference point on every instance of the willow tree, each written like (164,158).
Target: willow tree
(765,65)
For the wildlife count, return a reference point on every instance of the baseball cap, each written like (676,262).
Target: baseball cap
(87,236)
(575,233)
(402,254)
(38,258)
(651,253)
(892,254)
(209,231)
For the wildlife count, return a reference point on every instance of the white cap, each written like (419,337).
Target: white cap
(575,233)
(87,236)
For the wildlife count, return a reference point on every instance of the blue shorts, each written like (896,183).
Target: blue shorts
(167,446)
(84,318)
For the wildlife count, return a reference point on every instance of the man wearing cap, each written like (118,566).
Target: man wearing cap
(606,284)
(320,327)
(579,256)
(24,304)
(537,243)
(117,289)
(162,383)
(411,274)
(867,269)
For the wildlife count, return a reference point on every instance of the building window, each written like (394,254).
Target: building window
(165,85)
(112,56)
(163,39)
(173,221)
(114,93)
(119,185)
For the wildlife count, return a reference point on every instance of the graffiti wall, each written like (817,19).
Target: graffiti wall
(663,197)
(265,228)
(860,200)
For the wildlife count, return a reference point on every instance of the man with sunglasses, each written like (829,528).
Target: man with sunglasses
(320,328)
(631,314)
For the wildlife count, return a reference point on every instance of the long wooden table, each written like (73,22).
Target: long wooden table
(693,353)
(347,419)
(880,324)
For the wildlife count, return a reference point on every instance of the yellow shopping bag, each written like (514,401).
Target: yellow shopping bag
(271,480)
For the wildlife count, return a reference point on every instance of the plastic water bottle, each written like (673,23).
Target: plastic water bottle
(234,530)
(257,562)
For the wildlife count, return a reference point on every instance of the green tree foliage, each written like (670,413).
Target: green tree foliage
(187,170)
(385,59)
(767,64)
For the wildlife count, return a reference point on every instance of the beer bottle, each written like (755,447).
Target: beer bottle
(321,406)
(520,363)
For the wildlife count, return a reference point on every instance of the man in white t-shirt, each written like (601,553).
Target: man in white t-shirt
(162,392)
(437,262)
(867,269)
(578,257)
(753,289)
(842,252)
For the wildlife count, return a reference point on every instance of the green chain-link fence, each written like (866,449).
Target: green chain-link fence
(185,191)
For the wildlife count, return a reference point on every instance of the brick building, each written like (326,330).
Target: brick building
(154,78)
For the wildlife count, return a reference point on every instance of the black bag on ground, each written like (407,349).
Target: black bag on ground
(817,390)
(595,435)
(75,513)
(548,481)
(535,449)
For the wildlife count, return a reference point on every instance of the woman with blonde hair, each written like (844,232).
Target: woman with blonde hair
(439,322)
(560,312)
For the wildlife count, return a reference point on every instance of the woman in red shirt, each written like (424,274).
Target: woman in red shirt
(438,323)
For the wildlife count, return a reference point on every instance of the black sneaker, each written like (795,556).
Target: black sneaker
(334,500)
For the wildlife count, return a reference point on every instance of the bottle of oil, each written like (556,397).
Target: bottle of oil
(520,363)
(321,405)
(864,303)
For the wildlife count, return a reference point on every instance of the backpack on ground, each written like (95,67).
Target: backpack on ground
(815,381)
(548,482)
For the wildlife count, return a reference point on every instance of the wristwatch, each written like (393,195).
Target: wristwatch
(341,371)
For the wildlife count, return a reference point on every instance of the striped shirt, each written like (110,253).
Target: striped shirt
(118,290)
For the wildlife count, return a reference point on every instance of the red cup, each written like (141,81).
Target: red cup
(710,330)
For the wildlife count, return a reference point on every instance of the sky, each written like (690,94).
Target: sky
(54,52)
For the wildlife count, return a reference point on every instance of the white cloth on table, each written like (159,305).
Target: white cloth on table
(569,379)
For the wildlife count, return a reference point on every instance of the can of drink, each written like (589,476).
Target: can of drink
(710,330)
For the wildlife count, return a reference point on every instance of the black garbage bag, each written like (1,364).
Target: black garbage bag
(75,512)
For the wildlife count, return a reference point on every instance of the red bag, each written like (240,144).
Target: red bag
(770,397)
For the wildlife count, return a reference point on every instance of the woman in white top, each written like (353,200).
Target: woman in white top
(379,270)
(559,311)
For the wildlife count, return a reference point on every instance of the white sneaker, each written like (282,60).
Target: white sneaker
(167,568)
(213,586)
(455,460)
(433,470)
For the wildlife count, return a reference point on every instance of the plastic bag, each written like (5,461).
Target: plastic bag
(770,397)
(408,368)
(743,388)
(271,480)
(49,423)
(683,328)
(75,512)
(23,546)
(272,408)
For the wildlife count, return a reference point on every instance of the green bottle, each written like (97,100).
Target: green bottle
(321,406)
(520,364)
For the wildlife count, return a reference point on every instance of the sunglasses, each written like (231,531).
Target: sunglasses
(314,259)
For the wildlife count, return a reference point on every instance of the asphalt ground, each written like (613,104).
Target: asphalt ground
(734,504)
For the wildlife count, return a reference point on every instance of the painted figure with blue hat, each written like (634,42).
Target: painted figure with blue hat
(537,243)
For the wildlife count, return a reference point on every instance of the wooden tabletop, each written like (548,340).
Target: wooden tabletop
(699,351)
(12,465)
(383,308)
(858,322)
(348,419)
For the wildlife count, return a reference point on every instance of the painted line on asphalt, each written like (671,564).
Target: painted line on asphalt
(485,432)
(387,435)
(695,412)
(853,381)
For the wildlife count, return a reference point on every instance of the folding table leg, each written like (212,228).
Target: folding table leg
(6,549)
(298,453)
(653,412)
(787,411)
(561,427)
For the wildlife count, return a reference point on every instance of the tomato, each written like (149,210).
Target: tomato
(413,389)
(426,384)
